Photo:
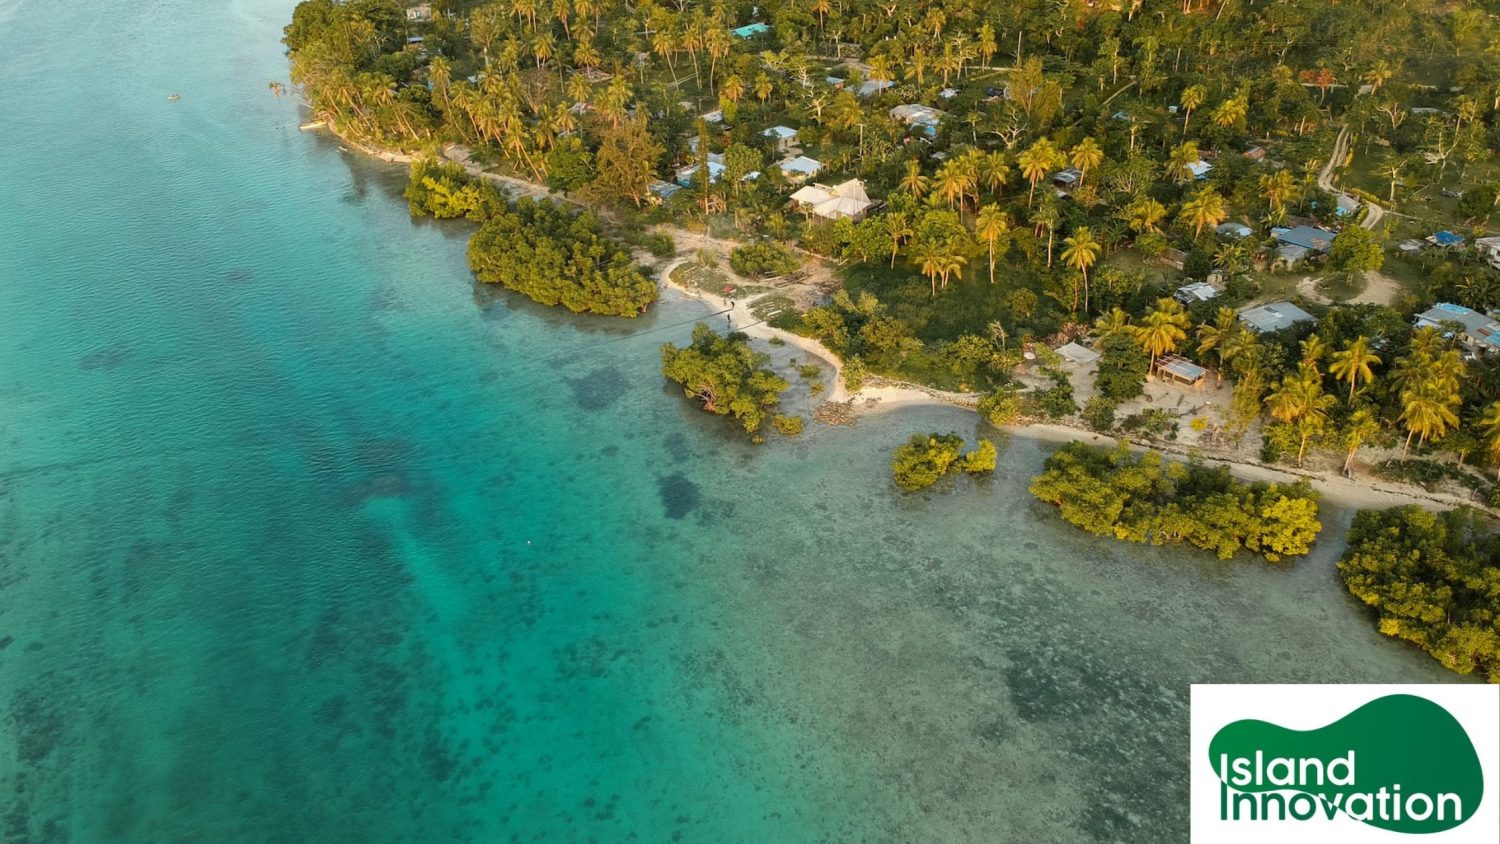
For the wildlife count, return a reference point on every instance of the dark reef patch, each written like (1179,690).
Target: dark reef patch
(599,388)
(106,358)
(679,496)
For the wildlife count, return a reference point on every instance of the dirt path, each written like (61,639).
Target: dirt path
(1373,213)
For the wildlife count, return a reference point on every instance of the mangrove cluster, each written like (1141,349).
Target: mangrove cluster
(1145,498)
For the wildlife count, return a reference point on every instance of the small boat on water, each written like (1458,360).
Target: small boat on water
(174,97)
(312,124)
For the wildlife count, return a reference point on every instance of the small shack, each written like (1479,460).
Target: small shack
(1081,355)
(1181,370)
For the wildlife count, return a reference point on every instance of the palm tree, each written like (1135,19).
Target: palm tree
(1313,349)
(1278,187)
(1214,337)
(1299,400)
(930,256)
(994,172)
(1427,411)
(1080,251)
(1046,216)
(991,224)
(1161,329)
(763,87)
(914,182)
(898,229)
(1113,321)
(1182,155)
(1145,215)
(1086,155)
(1354,363)
(1490,424)
(1232,111)
(950,184)
(1204,208)
(1361,426)
(1192,97)
(1036,162)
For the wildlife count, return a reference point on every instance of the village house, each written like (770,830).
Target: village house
(715,170)
(1297,244)
(1478,332)
(782,137)
(1197,291)
(843,201)
(1276,316)
(1066,180)
(924,119)
(799,168)
(1233,231)
(1489,249)
(420,13)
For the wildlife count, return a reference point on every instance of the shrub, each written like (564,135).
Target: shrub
(854,374)
(763,258)
(1099,413)
(1001,407)
(1054,402)
(924,459)
(982,459)
(788,425)
(1122,368)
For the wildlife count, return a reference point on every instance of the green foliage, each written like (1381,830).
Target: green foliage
(1433,579)
(924,459)
(570,165)
(1122,368)
(1355,249)
(446,191)
(1001,406)
(1099,413)
(854,374)
(1054,402)
(1154,422)
(1144,498)
(558,257)
(763,258)
(725,375)
(982,459)
(791,426)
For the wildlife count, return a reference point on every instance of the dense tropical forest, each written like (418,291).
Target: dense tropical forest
(1076,163)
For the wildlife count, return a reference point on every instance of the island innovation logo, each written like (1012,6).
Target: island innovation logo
(1345,763)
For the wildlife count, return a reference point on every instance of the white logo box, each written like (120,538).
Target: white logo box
(1309,707)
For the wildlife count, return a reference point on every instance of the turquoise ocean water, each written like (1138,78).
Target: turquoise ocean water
(305,537)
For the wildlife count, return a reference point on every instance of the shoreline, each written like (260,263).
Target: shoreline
(884,396)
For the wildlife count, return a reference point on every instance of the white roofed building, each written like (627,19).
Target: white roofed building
(843,201)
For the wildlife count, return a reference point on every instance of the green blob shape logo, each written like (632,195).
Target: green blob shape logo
(1400,763)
